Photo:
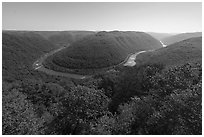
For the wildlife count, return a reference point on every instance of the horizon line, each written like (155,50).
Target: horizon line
(101,30)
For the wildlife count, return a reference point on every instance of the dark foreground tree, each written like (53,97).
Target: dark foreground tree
(18,115)
(172,106)
(77,109)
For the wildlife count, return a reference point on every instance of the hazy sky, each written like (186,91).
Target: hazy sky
(136,16)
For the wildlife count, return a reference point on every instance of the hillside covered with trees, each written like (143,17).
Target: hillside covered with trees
(19,51)
(179,37)
(189,50)
(102,50)
(160,36)
(64,38)
(147,99)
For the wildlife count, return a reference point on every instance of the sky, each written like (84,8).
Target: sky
(133,16)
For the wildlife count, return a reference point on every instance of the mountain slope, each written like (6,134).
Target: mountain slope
(63,38)
(19,50)
(160,36)
(180,37)
(103,49)
(185,51)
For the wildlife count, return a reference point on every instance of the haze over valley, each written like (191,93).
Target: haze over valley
(77,69)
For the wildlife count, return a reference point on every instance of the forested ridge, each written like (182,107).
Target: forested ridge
(100,50)
(180,37)
(147,99)
(64,38)
(20,50)
(186,51)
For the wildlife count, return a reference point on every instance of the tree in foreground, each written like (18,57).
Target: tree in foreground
(18,116)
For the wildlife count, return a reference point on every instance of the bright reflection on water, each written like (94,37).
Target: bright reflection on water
(131,61)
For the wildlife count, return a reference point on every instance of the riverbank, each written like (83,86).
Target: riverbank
(38,65)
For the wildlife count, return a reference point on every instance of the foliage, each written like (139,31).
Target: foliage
(173,104)
(20,50)
(78,107)
(104,125)
(186,51)
(101,50)
(130,83)
(149,99)
(18,115)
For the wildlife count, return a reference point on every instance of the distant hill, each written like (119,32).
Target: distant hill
(19,50)
(103,49)
(160,36)
(63,38)
(185,51)
(180,37)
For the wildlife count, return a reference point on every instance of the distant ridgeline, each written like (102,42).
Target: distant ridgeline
(186,51)
(100,50)
(64,37)
(179,37)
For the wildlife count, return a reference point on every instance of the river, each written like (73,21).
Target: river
(163,44)
(131,61)
(38,65)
